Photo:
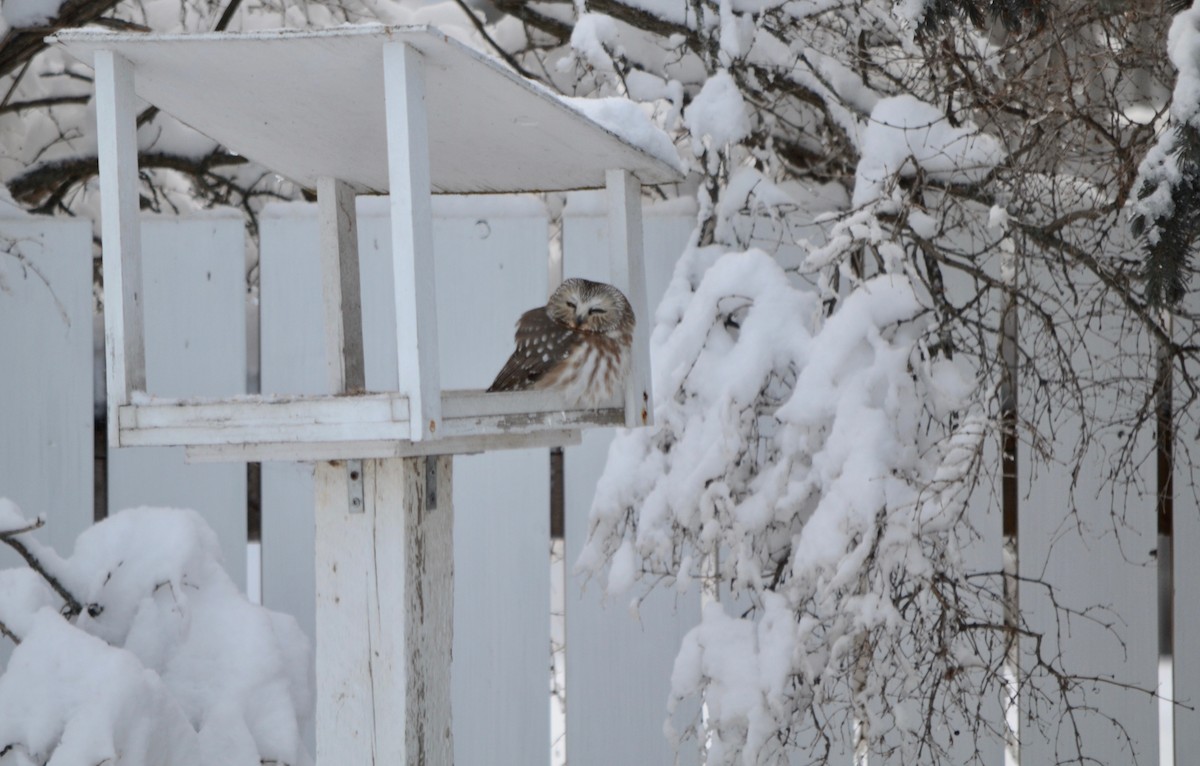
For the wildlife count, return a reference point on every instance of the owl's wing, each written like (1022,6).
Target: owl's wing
(540,341)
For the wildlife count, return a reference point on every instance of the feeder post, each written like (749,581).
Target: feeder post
(628,270)
(385,603)
(116,135)
(412,237)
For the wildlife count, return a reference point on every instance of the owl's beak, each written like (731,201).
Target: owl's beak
(579,320)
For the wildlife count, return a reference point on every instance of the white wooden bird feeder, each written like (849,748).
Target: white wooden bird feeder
(347,111)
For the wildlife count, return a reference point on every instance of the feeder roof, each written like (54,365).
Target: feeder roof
(310,103)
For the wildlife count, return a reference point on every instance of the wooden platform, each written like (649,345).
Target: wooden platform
(371,425)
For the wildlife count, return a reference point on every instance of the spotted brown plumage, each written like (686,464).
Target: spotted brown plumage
(578,343)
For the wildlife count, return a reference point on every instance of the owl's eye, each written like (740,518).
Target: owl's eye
(597,311)
(571,304)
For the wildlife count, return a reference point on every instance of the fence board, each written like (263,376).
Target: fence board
(618,667)
(195,295)
(1107,561)
(46,417)
(1187,616)
(489,269)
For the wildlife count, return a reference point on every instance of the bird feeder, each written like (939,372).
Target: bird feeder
(404,111)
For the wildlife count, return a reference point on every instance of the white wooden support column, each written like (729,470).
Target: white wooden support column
(412,236)
(385,602)
(340,285)
(116,134)
(342,300)
(629,274)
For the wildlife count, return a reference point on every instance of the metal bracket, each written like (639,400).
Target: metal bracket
(354,485)
(431,482)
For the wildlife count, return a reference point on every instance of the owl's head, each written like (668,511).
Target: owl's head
(592,307)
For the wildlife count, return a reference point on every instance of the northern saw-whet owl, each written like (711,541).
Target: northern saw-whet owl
(578,343)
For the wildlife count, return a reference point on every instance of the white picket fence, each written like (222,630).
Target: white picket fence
(618,667)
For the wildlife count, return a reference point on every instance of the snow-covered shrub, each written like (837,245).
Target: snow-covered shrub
(814,467)
(139,650)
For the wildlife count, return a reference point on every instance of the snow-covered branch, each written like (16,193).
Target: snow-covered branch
(37,558)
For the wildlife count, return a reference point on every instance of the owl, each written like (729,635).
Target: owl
(578,343)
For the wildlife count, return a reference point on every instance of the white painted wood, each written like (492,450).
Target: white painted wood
(412,237)
(473,418)
(472,445)
(490,257)
(340,284)
(196,346)
(629,275)
(1186,666)
(618,667)
(1104,555)
(385,575)
(308,452)
(116,136)
(265,411)
(356,677)
(491,130)
(46,375)
(428,579)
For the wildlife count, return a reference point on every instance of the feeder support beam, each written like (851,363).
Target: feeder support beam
(341,287)
(116,133)
(412,236)
(629,275)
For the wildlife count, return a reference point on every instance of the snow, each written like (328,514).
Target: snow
(626,119)
(1159,170)
(167,664)
(10,516)
(591,38)
(1183,48)
(907,135)
(717,116)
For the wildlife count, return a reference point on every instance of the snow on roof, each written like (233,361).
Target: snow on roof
(309,103)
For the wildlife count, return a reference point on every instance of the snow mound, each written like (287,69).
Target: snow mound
(167,663)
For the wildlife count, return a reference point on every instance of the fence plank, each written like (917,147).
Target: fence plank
(618,667)
(46,376)
(1187,616)
(1098,554)
(490,266)
(195,333)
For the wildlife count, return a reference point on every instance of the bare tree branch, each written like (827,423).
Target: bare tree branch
(7,633)
(18,46)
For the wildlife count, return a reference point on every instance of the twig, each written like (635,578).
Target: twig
(72,607)
(7,633)
(16,81)
(227,15)
(508,57)
(39,103)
